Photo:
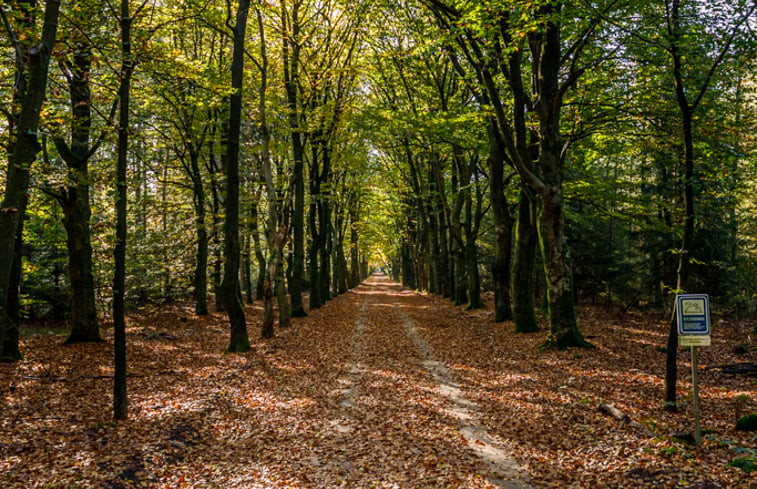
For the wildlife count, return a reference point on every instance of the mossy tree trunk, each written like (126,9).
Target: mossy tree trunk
(526,241)
(563,327)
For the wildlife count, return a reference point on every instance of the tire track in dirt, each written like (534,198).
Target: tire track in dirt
(505,471)
(405,426)
(394,435)
(350,383)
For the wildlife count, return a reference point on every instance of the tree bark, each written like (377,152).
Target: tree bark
(14,290)
(74,198)
(316,230)
(120,399)
(247,266)
(230,292)
(25,149)
(563,326)
(684,253)
(200,280)
(472,222)
(285,314)
(259,256)
(526,240)
(291,60)
(354,215)
(502,229)
(440,229)
(76,211)
(215,237)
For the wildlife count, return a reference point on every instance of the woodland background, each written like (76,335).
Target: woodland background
(553,153)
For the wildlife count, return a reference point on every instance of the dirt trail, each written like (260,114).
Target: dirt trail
(405,417)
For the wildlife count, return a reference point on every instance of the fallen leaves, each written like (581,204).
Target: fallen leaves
(346,398)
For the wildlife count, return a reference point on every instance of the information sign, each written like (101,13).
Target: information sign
(693,311)
(693,314)
(694,340)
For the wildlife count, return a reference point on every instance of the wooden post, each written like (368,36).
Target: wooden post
(695,381)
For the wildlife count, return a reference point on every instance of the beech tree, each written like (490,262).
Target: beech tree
(76,152)
(291,47)
(493,42)
(230,291)
(33,62)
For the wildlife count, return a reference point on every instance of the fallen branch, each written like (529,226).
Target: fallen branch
(56,378)
(623,418)
(614,412)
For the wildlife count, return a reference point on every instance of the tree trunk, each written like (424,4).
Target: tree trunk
(291,60)
(120,399)
(298,232)
(74,198)
(215,239)
(324,279)
(526,240)
(76,212)
(267,328)
(27,19)
(247,267)
(259,256)
(684,257)
(340,267)
(563,328)
(471,257)
(285,315)
(434,260)
(563,332)
(684,254)
(230,293)
(458,249)
(502,229)
(354,215)
(473,275)
(14,290)
(315,238)
(25,149)
(200,279)
(441,225)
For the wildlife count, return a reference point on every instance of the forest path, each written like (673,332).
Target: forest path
(402,405)
(381,388)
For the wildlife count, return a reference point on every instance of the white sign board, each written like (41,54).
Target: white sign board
(694,340)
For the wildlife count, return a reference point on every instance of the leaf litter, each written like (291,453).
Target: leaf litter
(347,397)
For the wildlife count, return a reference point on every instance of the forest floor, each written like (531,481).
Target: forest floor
(381,388)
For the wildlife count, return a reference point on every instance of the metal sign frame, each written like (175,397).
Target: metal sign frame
(693,314)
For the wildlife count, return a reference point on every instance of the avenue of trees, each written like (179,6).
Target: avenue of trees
(549,151)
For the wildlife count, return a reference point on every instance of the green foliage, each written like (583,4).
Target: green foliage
(670,450)
(747,464)
(44,265)
(747,422)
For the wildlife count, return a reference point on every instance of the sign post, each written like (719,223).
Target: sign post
(693,314)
